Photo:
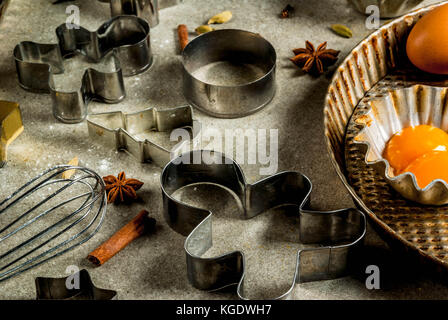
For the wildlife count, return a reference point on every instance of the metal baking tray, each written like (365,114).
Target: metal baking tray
(378,64)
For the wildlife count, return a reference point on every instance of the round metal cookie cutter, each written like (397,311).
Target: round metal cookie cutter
(229,73)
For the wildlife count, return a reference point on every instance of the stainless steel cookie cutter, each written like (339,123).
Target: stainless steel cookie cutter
(243,54)
(340,232)
(129,132)
(57,289)
(126,38)
(146,9)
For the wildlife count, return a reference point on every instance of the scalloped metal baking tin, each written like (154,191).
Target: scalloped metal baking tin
(11,126)
(388,115)
(239,48)
(380,61)
(56,289)
(122,131)
(340,233)
(126,38)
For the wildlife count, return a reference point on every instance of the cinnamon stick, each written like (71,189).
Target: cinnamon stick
(141,224)
(182,33)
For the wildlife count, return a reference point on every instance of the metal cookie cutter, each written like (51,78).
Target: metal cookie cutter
(129,132)
(57,289)
(229,73)
(341,232)
(125,38)
(11,127)
(146,9)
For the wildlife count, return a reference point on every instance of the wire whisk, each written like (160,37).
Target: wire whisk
(49,216)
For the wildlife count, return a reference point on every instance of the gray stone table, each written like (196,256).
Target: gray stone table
(153,267)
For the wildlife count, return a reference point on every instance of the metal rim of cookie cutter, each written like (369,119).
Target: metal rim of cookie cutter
(89,217)
(238,47)
(340,232)
(145,9)
(125,38)
(56,288)
(127,126)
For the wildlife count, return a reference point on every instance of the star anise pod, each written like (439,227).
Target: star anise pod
(120,189)
(313,60)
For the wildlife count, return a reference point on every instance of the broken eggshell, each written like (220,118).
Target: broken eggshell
(387,115)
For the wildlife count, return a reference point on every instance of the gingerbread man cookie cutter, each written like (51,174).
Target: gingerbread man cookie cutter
(340,232)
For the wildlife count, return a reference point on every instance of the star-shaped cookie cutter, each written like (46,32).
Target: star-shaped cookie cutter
(11,126)
(129,132)
(341,232)
(126,38)
(57,289)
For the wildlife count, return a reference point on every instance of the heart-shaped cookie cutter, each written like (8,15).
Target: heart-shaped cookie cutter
(126,38)
(340,232)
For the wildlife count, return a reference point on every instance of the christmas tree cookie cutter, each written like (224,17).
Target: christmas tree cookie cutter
(131,132)
(123,39)
(340,233)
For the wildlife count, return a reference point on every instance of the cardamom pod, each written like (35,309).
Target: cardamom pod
(342,30)
(69,173)
(222,17)
(203,29)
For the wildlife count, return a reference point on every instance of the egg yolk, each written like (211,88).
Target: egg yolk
(422,150)
(413,142)
(429,167)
